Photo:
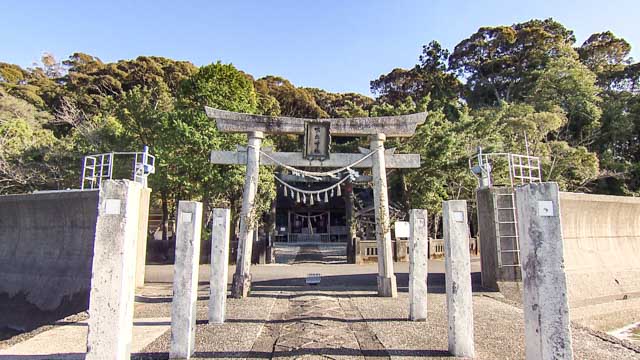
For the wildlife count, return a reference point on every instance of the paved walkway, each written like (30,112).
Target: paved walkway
(319,326)
(69,341)
(341,318)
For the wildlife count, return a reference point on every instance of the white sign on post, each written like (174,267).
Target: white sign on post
(185,217)
(112,206)
(402,229)
(458,216)
(545,208)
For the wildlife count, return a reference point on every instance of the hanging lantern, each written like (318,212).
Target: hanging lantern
(304,198)
(331,193)
(319,197)
(285,191)
(297,197)
(311,198)
(293,196)
(339,193)
(326,197)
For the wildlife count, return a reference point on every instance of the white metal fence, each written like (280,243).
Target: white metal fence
(99,167)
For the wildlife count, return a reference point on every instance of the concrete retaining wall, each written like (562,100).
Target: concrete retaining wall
(601,236)
(46,250)
(46,254)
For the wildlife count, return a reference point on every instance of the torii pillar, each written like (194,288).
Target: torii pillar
(377,128)
(386,277)
(242,277)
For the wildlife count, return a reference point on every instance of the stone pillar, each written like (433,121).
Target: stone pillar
(242,277)
(386,277)
(113,272)
(185,279)
(418,261)
(219,265)
(546,312)
(347,197)
(458,278)
(143,230)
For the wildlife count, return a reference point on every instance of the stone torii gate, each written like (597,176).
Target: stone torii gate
(377,128)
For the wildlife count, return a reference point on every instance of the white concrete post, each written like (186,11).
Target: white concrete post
(185,279)
(113,272)
(219,265)
(418,261)
(386,277)
(546,312)
(242,277)
(143,229)
(458,278)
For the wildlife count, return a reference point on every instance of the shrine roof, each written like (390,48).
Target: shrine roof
(391,126)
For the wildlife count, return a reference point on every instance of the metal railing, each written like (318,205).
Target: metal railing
(521,169)
(99,167)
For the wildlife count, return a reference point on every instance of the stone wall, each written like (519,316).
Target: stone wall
(46,254)
(46,250)
(366,251)
(601,236)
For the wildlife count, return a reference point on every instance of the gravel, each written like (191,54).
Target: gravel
(498,330)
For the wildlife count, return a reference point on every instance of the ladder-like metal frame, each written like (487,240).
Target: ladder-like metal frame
(99,167)
(523,169)
(103,163)
(499,236)
(517,169)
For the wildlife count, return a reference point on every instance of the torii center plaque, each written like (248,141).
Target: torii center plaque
(316,140)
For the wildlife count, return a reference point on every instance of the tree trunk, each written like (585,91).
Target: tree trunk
(165,216)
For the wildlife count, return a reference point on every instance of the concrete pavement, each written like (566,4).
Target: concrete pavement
(69,341)
(342,317)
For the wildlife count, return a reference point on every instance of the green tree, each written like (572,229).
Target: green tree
(605,55)
(29,152)
(502,63)
(341,105)
(195,135)
(443,147)
(430,77)
(295,102)
(570,85)
(92,84)
(521,129)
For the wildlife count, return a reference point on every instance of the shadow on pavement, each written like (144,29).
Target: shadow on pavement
(354,282)
(387,353)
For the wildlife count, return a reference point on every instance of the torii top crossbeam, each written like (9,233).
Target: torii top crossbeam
(391,126)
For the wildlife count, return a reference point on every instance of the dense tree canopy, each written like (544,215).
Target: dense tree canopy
(502,63)
(519,88)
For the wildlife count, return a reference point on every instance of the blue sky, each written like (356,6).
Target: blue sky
(334,45)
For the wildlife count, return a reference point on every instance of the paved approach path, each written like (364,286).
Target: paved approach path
(313,325)
(343,318)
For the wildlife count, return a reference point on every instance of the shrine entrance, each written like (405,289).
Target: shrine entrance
(315,203)
(311,227)
(325,221)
